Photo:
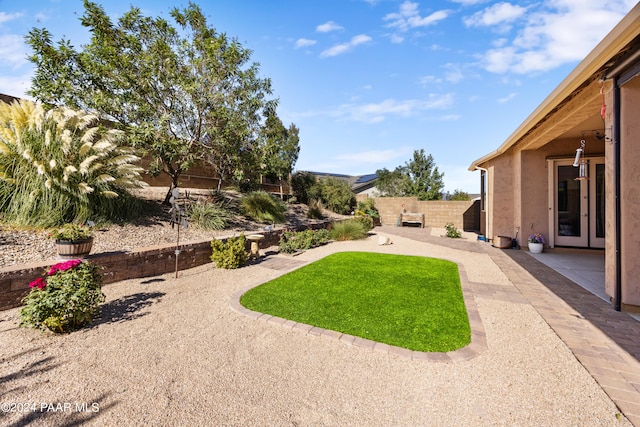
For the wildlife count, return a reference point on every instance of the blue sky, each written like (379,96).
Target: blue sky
(370,81)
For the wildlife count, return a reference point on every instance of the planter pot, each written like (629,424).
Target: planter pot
(72,249)
(535,248)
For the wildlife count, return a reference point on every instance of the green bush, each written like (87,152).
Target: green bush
(209,215)
(348,230)
(262,207)
(368,207)
(304,187)
(316,209)
(337,195)
(365,220)
(65,298)
(230,254)
(61,166)
(294,241)
(452,231)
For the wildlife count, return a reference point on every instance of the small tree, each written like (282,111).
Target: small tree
(305,187)
(459,195)
(418,177)
(280,149)
(337,195)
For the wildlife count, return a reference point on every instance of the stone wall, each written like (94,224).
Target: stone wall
(145,262)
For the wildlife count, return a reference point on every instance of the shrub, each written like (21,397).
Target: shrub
(230,254)
(294,241)
(452,231)
(62,166)
(65,298)
(368,207)
(348,230)
(459,195)
(209,215)
(337,195)
(316,209)
(304,187)
(262,207)
(365,220)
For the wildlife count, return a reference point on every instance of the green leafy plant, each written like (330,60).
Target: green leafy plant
(65,298)
(452,231)
(262,207)
(316,209)
(350,229)
(294,241)
(536,238)
(209,215)
(71,232)
(230,254)
(368,207)
(337,195)
(62,165)
(365,220)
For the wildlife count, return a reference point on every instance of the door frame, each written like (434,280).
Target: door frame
(588,204)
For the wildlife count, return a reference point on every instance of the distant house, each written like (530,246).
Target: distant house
(571,170)
(360,184)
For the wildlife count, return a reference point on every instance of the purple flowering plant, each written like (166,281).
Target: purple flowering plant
(536,238)
(65,298)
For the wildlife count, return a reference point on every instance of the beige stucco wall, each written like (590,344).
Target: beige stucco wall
(534,190)
(630,191)
(500,185)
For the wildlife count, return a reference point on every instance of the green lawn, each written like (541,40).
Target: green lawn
(406,301)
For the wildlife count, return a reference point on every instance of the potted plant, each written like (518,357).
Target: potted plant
(73,240)
(64,298)
(536,243)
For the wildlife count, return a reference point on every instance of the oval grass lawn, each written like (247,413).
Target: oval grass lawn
(406,301)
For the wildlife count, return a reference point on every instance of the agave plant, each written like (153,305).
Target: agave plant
(62,165)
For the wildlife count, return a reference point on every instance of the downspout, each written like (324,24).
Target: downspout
(616,178)
(486,203)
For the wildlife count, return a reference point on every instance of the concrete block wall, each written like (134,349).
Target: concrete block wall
(118,266)
(437,212)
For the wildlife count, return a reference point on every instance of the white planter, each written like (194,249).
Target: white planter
(535,248)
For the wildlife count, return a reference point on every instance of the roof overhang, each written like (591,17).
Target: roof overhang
(555,115)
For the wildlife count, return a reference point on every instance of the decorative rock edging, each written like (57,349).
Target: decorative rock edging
(477,345)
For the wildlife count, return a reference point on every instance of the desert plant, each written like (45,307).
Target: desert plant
(452,231)
(71,232)
(365,220)
(230,254)
(348,230)
(304,187)
(61,166)
(209,215)
(368,207)
(262,207)
(65,298)
(316,209)
(294,241)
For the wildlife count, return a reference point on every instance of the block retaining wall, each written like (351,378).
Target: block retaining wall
(118,266)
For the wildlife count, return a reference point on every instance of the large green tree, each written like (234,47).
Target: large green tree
(184,94)
(418,177)
(280,149)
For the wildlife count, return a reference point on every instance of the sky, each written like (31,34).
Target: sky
(367,82)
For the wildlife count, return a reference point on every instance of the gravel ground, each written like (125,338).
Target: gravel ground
(171,352)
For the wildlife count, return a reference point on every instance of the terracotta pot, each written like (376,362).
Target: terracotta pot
(72,249)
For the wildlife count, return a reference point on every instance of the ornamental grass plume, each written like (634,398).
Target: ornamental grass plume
(62,165)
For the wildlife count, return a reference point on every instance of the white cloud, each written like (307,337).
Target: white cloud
(6,17)
(499,13)
(564,32)
(345,47)
(507,98)
(377,112)
(13,51)
(328,27)
(408,17)
(304,43)
(15,85)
